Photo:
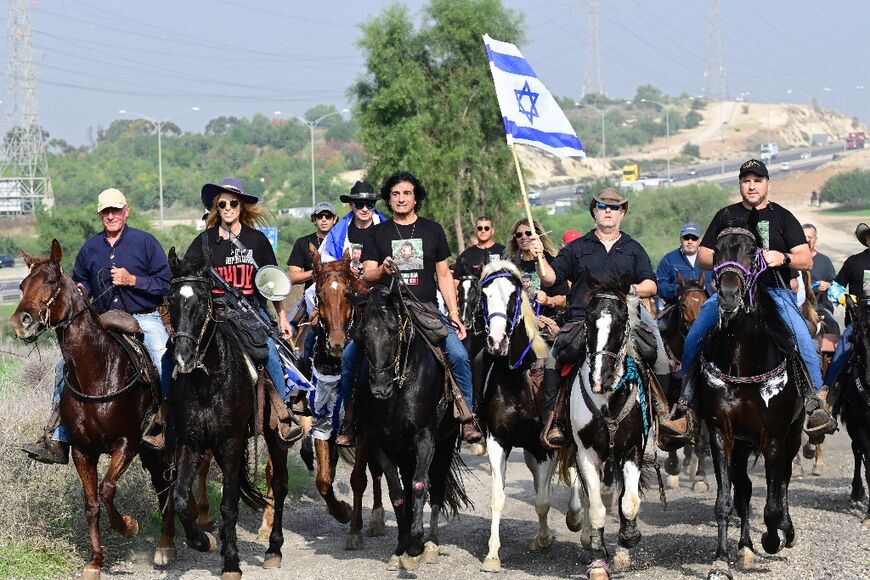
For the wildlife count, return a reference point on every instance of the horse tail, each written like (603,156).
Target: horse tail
(565,463)
(347,454)
(248,491)
(455,497)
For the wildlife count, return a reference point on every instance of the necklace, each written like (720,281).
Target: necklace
(413,229)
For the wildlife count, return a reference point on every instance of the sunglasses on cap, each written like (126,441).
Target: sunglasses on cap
(520,234)
(234,203)
(484,228)
(690,238)
(610,206)
(363,204)
(324,216)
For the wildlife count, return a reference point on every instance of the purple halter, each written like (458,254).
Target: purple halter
(748,277)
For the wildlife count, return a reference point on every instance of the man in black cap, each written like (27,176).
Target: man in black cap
(785,249)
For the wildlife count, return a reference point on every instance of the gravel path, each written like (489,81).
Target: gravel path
(677,543)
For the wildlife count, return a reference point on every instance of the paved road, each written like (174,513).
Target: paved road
(677,543)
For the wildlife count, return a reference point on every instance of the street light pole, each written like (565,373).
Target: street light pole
(667,129)
(846,119)
(603,114)
(159,126)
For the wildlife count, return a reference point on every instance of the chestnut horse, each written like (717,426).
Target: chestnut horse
(103,402)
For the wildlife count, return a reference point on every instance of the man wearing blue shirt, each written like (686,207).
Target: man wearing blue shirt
(683,260)
(121,268)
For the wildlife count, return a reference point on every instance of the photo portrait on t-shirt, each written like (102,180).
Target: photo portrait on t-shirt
(408,256)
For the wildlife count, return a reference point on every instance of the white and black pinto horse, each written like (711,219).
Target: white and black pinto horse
(509,406)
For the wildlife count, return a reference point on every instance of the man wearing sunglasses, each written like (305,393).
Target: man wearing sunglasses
(352,229)
(683,260)
(299,262)
(605,250)
(474,258)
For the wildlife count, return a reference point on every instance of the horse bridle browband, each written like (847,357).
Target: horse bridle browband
(197,340)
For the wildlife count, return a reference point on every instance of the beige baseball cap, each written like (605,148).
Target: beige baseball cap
(111,198)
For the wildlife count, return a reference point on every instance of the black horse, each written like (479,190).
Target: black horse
(854,403)
(468,303)
(408,424)
(750,396)
(213,408)
(508,375)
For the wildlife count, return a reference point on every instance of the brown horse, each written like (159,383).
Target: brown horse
(103,403)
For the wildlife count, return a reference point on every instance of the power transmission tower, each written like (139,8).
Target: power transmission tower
(715,85)
(24,179)
(594,81)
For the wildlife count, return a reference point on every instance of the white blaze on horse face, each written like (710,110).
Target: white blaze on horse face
(465,287)
(602,325)
(498,292)
(334,285)
(186,291)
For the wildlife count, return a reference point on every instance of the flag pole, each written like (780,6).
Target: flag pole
(526,199)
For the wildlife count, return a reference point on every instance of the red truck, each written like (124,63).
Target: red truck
(855,140)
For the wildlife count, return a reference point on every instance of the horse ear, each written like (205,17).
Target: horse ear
(56,251)
(346,256)
(752,222)
(28,259)
(173,260)
(315,257)
(680,280)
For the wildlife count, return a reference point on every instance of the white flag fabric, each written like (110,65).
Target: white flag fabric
(530,113)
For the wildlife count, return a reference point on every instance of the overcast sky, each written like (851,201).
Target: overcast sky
(235,57)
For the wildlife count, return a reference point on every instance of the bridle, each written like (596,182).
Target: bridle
(487,317)
(747,276)
(466,304)
(320,321)
(199,349)
(43,315)
(619,357)
(400,370)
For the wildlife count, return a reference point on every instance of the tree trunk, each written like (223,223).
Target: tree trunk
(456,200)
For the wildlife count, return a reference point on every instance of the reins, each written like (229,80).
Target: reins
(513,323)
(209,318)
(748,277)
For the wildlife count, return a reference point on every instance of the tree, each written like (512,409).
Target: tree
(848,190)
(427,104)
(691,150)
(650,93)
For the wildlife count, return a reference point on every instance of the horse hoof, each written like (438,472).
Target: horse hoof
(817,469)
(621,562)
(163,556)
(672,464)
(598,570)
(793,542)
(430,553)
(205,523)
(131,527)
(700,486)
(720,571)
(595,542)
(771,544)
(809,451)
(673,482)
(272,561)
(91,574)
(491,564)
(212,542)
(353,542)
(543,543)
(570,522)
(410,563)
(394,563)
(376,524)
(477,449)
(745,558)
(231,576)
(344,514)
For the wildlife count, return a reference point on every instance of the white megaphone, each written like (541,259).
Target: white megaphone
(272,283)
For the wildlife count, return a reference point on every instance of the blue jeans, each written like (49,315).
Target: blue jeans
(841,356)
(788,311)
(155,339)
(459,364)
(348,372)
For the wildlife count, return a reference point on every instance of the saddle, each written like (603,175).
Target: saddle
(124,328)
(247,333)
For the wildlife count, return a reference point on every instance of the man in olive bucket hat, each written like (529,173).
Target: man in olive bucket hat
(855,274)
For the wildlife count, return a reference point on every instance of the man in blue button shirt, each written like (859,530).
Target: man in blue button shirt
(121,268)
(683,260)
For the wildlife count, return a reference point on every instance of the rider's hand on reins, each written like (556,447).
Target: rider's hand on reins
(774,258)
(388,266)
(121,277)
(461,331)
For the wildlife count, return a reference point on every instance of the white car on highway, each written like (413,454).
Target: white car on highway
(785,166)
(805,155)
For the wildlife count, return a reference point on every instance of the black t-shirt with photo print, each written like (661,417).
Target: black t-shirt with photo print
(855,274)
(415,248)
(559,289)
(784,232)
(236,266)
(474,258)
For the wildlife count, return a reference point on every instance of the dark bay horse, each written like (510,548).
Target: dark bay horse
(213,408)
(507,374)
(854,402)
(749,396)
(468,303)
(102,405)
(408,424)
(610,417)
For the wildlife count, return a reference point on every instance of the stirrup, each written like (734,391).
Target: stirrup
(346,436)
(294,434)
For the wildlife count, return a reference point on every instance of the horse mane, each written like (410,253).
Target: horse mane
(539,345)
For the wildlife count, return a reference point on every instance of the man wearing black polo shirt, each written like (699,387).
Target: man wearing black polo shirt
(404,193)
(785,249)
(604,250)
(474,258)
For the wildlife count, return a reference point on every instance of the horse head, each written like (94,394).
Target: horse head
(190,310)
(692,294)
(501,289)
(468,294)
(385,333)
(737,263)
(47,296)
(337,285)
(607,331)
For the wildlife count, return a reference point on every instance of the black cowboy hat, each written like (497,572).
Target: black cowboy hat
(861,232)
(361,191)
(228,185)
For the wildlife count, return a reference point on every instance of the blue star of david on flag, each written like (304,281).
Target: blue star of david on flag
(532,111)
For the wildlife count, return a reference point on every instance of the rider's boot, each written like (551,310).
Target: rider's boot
(300,404)
(153,436)
(683,426)
(470,432)
(346,433)
(553,433)
(45,449)
(819,420)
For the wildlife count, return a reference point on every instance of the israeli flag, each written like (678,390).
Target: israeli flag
(530,113)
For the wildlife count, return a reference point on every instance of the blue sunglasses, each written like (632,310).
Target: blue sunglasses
(611,207)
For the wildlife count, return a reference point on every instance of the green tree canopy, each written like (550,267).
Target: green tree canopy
(850,190)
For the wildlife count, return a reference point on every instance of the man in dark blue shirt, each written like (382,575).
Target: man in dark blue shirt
(121,268)
(683,260)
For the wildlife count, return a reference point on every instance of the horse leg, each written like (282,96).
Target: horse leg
(86,466)
(276,480)
(818,460)
(121,457)
(397,497)
(498,467)
(587,461)
(340,510)
(268,513)
(230,459)
(777,466)
(700,454)
(629,504)
(576,514)
(187,463)
(442,488)
(742,495)
(203,517)
(376,523)
(358,483)
(158,468)
(858,494)
(542,475)
(419,488)
(721,448)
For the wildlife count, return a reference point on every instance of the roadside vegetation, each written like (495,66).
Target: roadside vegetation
(850,191)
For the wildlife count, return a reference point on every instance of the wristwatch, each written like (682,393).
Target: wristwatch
(786,259)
